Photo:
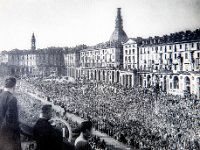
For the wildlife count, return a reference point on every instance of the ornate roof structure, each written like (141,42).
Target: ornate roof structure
(118,34)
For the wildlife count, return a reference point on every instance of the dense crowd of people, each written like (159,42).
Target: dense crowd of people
(30,108)
(135,116)
(138,117)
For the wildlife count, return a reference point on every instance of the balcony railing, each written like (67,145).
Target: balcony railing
(27,139)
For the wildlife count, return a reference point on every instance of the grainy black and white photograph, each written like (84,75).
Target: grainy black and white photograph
(99,74)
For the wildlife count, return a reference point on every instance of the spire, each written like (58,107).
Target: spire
(33,41)
(118,34)
(119,21)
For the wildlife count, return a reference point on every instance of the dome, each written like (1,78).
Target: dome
(119,34)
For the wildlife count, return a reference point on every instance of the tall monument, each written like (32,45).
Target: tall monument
(33,42)
(118,35)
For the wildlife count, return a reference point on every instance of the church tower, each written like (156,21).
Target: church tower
(33,41)
(118,35)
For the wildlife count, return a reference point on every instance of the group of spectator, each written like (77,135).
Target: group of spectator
(33,114)
(138,117)
(141,118)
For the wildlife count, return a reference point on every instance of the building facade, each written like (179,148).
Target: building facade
(104,62)
(171,62)
(101,63)
(40,62)
(72,61)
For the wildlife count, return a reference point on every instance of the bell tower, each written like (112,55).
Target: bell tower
(33,42)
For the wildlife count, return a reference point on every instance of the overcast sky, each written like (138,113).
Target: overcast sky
(74,22)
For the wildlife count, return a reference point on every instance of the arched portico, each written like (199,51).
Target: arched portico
(187,84)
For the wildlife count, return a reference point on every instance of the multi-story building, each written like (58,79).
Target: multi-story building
(101,62)
(130,61)
(4,57)
(3,62)
(21,62)
(50,61)
(33,62)
(130,53)
(72,61)
(104,61)
(108,55)
(172,62)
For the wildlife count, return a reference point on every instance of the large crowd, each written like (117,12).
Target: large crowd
(138,117)
(135,116)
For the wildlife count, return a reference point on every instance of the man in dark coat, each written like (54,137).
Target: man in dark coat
(46,136)
(9,125)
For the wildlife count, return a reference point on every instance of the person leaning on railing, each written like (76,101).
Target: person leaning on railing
(47,137)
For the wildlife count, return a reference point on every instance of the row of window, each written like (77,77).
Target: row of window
(175,56)
(98,64)
(170,67)
(129,51)
(170,47)
(23,58)
(98,57)
(69,58)
(129,66)
(96,52)
(129,58)
(102,55)
(129,46)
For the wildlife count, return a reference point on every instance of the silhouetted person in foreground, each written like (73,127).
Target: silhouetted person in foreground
(47,137)
(81,142)
(9,124)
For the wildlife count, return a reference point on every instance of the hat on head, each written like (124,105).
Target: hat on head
(10,82)
(46,108)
